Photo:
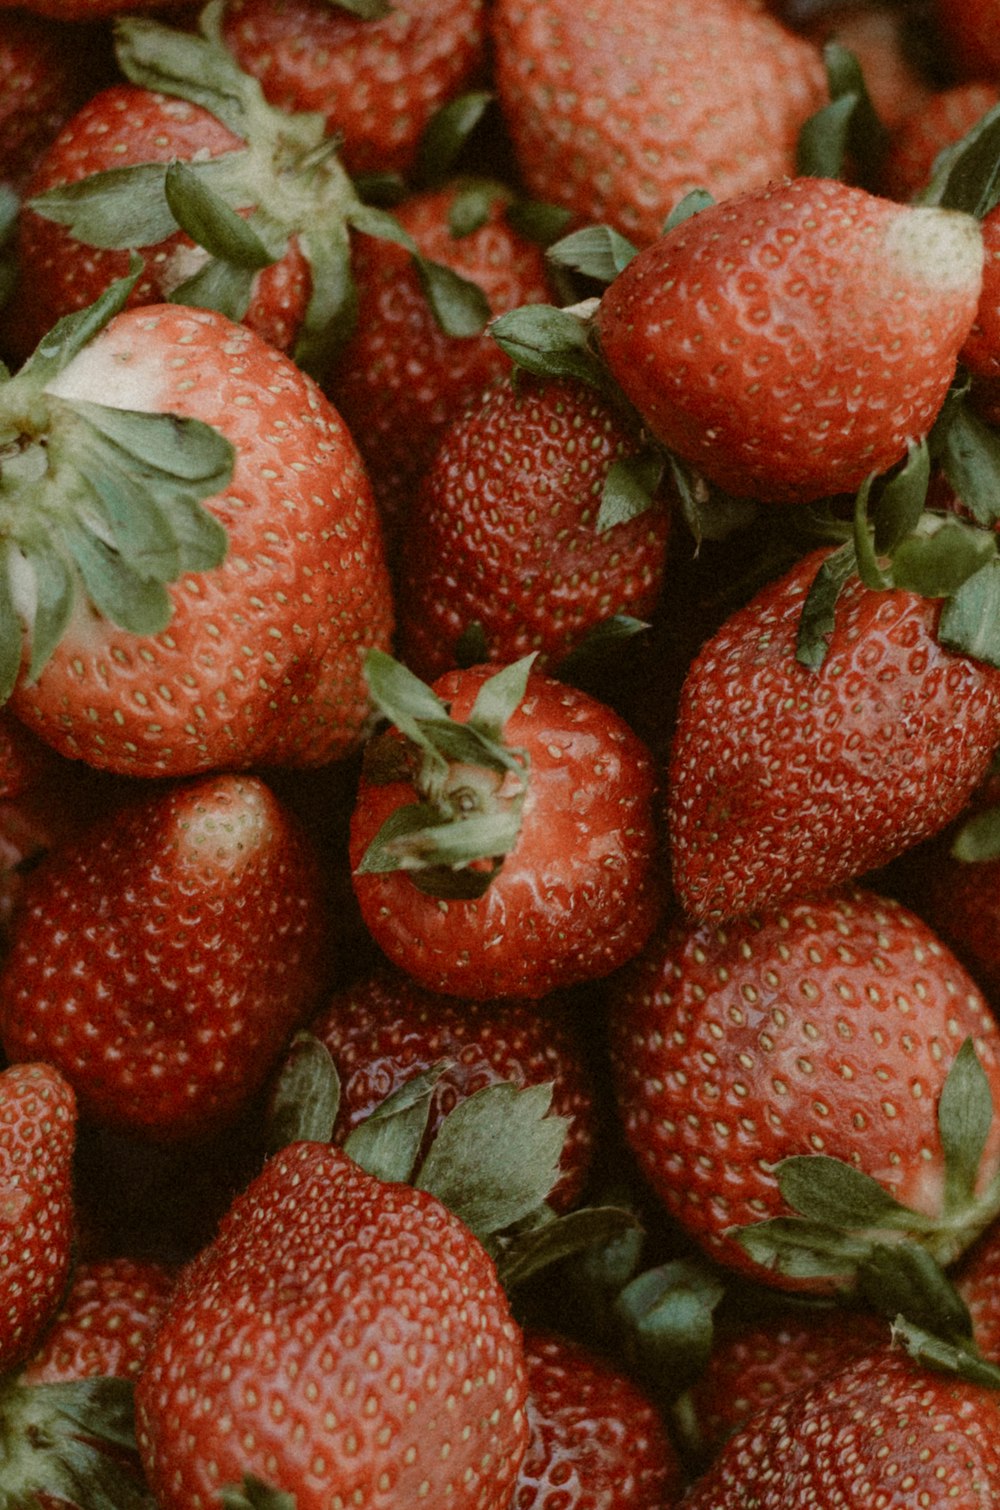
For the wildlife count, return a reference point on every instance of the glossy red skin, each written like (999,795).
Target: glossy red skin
(597,1440)
(37,1139)
(384,1029)
(400,378)
(162,959)
(821,1027)
(105,1323)
(782,344)
(938,122)
(261,663)
(785,780)
(503,534)
(377,82)
(46,72)
(616,112)
(120,127)
(579,892)
(338,1334)
(882,1431)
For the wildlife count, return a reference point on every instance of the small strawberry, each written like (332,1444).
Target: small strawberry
(784,777)
(618,112)
(377,72)
(595,1436)
(383,1030)
(881,1431)
(810,1059)
(46,72)
(37,1137)
(503,841)
(342,1339)
(163,958)
(254,654)
(534,523)
(105,1323)
(790,342)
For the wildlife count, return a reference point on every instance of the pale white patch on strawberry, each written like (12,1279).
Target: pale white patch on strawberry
(179,263)
(123,375)
(230,828)
(943,248)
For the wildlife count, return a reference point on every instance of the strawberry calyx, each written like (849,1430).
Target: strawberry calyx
(470,784)
(96,503)
(254,1494)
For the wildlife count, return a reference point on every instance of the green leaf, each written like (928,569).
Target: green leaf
(692,204)
(254,1494)
(821,149)
(306,1095)
(420,838)
(11,632)
(868,568)
(403,698)
(828,1190)
(562,1237)
(709,513)
(905,1279)
(969,454)
(979,838)
(447,133)
(54,595)
(459,306)
(208,220)
(331,314)
(802,1249)
(601,642)
(132,602)
(597,251)
(537,221)
(496,1156)
(817,619)
(71,334)
(387,1143)
(549,342)
(629,488)
(187,66)
(217,285)
(965,1115)
(470,209)
(940,556)
(902,499)
(666,1321)
(365,10)
(948,1357)
(970,621)
(499,696)
(116,210)
(967,174)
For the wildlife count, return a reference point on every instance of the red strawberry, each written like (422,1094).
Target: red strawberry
(596,1438)
(879,34)
(46,72)
(618,112)
(509,530)
(881,1431)
(163,959)
(105,1323)
(826,1028)
(342,1338)
(791,342)
(970,34)
(37,1137)
(377,81)
(519,855)
(932,126)
(384,1029)
(253,659)
(401,377)
(784,778)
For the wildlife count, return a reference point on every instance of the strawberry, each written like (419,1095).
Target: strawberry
(879,35)
(968,31)
(401,377)
(105,1323)
(163,958)
(254,656)
(517,527)
(790,342)
(38,1119)
(932,126)
(617,113)
(46,72)
(342,1338)
(377,78)
(383,1030)
(784,777)
(881,1431)
(503,841)
(595,1436)
(810,1058)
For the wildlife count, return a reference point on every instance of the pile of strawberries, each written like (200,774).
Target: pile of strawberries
(499,729)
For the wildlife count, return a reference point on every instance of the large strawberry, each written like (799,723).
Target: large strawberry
(503,841)
(811,1060)
(790,342)
(252,655)
(534,523)
(342,1339)
(786,777)
(163,958)
(618,111)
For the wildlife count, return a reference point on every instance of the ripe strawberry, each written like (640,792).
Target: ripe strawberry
(163,958)
(784,778)
(618,112)
(342,1338)
(508,530)
(826,1028)
(37,1137)
(384,1029)
(968,30)
(595,1437)
(46,72)
(254,659)
(790,342)
(937,123)
(878,34)
(512,852)
(376,81)
(105,1323)
(881,1431)
(401,377)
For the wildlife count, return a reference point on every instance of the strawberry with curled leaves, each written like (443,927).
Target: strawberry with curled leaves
(503,841)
